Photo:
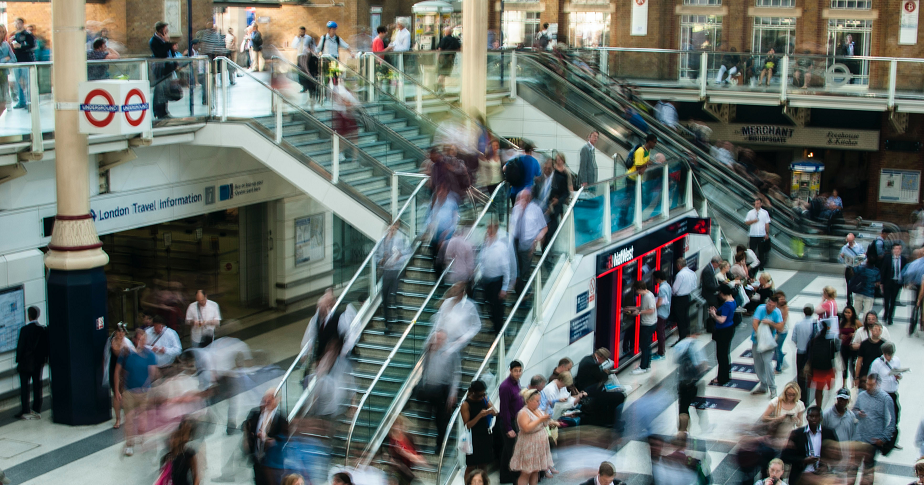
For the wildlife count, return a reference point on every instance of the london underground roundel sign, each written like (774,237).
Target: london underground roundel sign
(135,107)
(99,107)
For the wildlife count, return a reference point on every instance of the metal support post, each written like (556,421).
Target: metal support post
(717,239)
(603,63)
(277,107)
(665,192)
(335,159)
(209,87)
(688,193)
(373,279)
(784,79)
(638,201)
(394,197)
(35,111)
(607,213)
(412,224)
(893,78)
(513,75)
(145,76)
(418,108)
(537,295)
(370,76)
(225,79)
(572,238)
(703,74)
(705,209)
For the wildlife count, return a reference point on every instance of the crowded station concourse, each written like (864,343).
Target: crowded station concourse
(330,245)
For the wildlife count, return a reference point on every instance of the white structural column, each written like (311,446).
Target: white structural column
(74,242)
(474,56)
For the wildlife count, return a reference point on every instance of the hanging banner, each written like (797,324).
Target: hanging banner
(908,23)
(639,17)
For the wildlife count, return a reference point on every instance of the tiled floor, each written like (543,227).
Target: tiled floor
(41,452)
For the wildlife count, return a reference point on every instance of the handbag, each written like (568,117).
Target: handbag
(174,90)
(765,339)
(166,474)
(465,442)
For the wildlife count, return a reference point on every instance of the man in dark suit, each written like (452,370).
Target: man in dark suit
(31,357)
(606,475)
(263,427)
(804,450)
(850,49)
(709,285)
(890,269)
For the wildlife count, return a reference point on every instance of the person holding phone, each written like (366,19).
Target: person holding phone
(477,412)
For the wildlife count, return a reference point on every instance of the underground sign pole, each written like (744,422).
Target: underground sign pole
(76,310)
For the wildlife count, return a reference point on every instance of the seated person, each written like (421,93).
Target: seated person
(802,77)
(602,407)
(767,66)
(834,202)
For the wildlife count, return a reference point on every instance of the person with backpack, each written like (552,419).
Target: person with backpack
(257,62)
(822,351)
(691,366)
(877,248)
(521,171)
(863,284)
(543,38)
(726,319)
(32,354)
(803,333)
(636,163)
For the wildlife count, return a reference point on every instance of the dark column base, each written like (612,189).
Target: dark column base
(76,300)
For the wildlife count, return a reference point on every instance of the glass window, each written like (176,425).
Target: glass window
(778,33)
(703,3)
(852,4)
(776,3)
(520,27)
(850,38)
(589,29)
(698,33)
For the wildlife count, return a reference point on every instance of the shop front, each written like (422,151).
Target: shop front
(620,267)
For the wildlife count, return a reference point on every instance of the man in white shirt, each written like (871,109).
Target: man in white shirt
(392,253)
(848,256)
(304,48)
(164,342)
(759,232)
(326,326)
(648,319)
(402,37)
(204,316)
(684,284)
(496,260)
(331,43)
(528,227)
(667,114)
(884,366)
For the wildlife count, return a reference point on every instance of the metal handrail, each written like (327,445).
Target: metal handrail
(322,127)
(304,350)
(407,331)
(502,333)
(697,52)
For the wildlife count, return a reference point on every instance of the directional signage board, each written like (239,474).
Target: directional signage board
(114,107)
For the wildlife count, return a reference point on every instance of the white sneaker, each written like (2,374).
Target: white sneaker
(35,415)
(129,451)
(639,370)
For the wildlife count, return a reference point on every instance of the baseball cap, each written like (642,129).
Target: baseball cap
(844,393)
(332,25)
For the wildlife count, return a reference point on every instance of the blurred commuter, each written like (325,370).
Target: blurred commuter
(402,452)
(204,316)
(866,279)
(449,45)
(849,324)
(520,171)
(497,262)
(841,419)
(117,345)
(263,427)
(891,271)
(160,49)
(180,465)
(489,169)
(724,317)
(140,370)
(32,352)
(870,320)
(870,350)
(392,253)
(770,316)
(293,479)
(440,381)
(24,44)
(803,333)
(101,51)
(326,326)
(511,401)
(532,453)
(691,366)
(461,253)
(441,221)
(528,228)
(457,319)
(305,48)
(478,415)
(775,472)
(257,59)
(822,351)
(876,426)
(164,342)
(556,193)
(477,477)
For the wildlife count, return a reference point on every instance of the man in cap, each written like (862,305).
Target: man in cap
(331,43)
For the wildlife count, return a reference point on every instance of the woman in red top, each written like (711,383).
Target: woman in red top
(403,452)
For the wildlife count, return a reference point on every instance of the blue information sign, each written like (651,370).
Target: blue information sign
(582,301)
(580,327)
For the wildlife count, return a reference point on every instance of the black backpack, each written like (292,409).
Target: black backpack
(821,352)
(324,39)
(857,283)
(257,41)
(688,373)
(872,251)
(542,41)
(515,172)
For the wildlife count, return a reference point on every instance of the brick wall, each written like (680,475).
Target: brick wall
(898,213)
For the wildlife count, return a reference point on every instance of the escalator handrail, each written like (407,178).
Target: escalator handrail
(407,331)
(502,333)
(420,85)
(359,271)
(344,142)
